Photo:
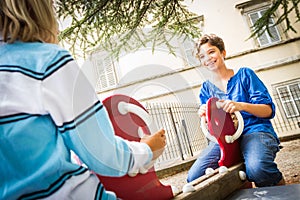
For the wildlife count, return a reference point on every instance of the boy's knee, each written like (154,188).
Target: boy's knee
(272,180)
(263,176)
(189,179)
(192,176)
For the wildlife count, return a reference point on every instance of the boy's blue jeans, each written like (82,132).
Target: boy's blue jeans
(259,151)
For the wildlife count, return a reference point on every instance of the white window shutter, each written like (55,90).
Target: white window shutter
(105,73)
(265,38)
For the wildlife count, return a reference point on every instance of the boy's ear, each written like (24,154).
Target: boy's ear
(224,54)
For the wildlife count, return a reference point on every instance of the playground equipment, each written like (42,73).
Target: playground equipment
(131,121)
(220,129)
(218,126)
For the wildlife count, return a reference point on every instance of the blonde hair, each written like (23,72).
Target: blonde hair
(28,21)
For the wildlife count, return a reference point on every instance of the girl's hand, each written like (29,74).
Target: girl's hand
(156,142)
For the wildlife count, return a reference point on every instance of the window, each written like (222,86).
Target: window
(289,96)
(105,73)
(189,47)
(252,11)
(265,39)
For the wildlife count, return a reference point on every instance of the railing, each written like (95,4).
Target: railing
(184,136)
(185,139)
(282,123)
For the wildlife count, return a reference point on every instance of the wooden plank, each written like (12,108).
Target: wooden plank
(215,187)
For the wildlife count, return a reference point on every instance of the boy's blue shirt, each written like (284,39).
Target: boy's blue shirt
(244,86)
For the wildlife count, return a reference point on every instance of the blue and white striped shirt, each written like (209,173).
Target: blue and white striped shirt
(47,108)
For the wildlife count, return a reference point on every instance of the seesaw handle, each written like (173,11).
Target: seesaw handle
(237,134)
(228,138)
(239,130)
(205,130)
(125,108)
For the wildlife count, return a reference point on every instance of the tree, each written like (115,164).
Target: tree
(117,25)
(287,6)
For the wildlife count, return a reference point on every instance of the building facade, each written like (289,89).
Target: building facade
(161,77)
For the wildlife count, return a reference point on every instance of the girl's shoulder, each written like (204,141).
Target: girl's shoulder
(34,56)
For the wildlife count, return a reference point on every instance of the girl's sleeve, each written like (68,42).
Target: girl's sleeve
(257,91)
(83,122)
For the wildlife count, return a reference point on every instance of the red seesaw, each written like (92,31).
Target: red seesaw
(220,128)
(130,121)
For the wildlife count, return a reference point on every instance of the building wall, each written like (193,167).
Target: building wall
(165,78)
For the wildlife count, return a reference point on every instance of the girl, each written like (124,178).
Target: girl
(48,108)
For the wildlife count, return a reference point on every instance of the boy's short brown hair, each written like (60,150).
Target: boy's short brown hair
(212,39)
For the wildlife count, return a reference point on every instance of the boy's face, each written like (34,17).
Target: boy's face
(211,57)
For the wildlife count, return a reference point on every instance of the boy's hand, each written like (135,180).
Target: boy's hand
(230,106)
(202,110)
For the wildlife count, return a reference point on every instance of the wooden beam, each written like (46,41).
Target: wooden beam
(215,186)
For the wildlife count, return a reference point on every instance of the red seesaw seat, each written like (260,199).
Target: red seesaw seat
(130,121)
(220,128)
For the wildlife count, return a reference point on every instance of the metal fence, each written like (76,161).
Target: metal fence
(287,118)
(184,135)
(182,125)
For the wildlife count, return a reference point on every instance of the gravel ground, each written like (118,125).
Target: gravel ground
(288,160)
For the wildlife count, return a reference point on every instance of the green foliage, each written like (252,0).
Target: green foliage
(287,6)
(118,25)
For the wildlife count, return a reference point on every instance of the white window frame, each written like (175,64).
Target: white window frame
(289,98)
(189,47)
(258,6)
(266,37)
